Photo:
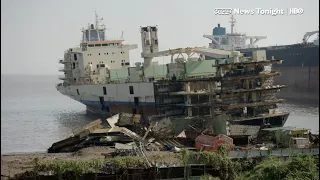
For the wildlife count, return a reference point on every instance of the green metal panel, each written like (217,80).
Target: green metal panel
(156,71)
(219,124)
(180,124)
(198,68)
(118,74)
(283,137)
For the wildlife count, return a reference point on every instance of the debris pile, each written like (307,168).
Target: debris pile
(129,137)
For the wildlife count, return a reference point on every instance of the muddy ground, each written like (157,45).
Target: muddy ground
(18,163)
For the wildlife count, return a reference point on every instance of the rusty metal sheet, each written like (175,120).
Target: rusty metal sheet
(88,128)
(127,119)
(163,129)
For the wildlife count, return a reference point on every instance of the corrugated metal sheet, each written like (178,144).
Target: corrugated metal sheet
(206,139)
(211,143)
(198,68)
(211,140)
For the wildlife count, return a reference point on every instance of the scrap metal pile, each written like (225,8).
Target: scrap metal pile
(120,135)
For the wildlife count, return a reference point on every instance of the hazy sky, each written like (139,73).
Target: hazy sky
(35,33)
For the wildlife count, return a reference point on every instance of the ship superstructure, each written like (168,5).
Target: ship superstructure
(230,94)
(96,54)
(300,70)
(233,40)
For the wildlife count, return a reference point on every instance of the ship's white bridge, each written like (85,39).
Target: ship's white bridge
(308,35)
(233,40)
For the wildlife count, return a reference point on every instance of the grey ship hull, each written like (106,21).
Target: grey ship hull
(275,121)
(299,71)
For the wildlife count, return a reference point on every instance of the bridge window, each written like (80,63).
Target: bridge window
(101,35)
(97,45)
(75,57)
(105,44)
(91,45)
(127,63)
(94,35)
(87,35)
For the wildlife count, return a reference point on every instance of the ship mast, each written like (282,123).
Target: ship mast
(98,20)
(233,22)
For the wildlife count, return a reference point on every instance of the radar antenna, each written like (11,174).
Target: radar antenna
(233,22)
(98,20)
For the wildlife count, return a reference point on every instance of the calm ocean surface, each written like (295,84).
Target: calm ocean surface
(34,115)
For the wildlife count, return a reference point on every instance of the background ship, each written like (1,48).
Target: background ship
(230,95)
(300,69)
